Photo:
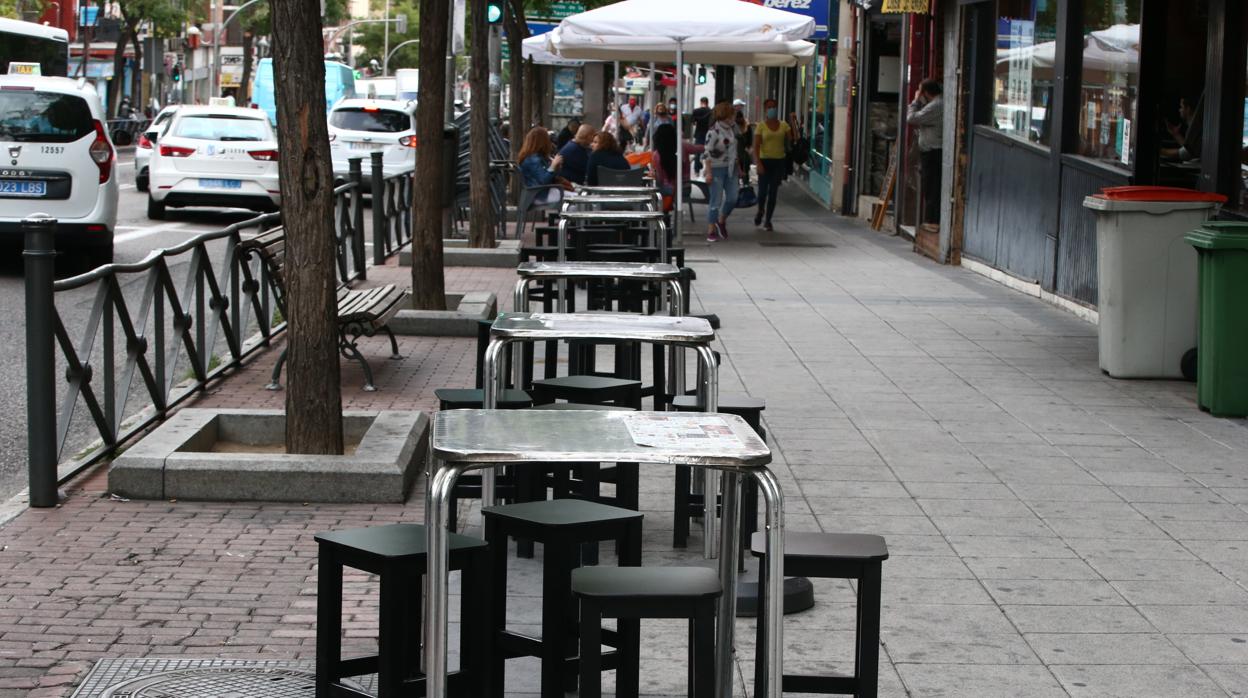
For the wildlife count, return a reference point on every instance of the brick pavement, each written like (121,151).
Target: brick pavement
(1054,532)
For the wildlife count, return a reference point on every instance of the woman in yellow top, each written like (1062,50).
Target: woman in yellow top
(771,140)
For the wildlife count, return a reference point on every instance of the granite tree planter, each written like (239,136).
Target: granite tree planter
(239,455)
(456,253)
(468,309)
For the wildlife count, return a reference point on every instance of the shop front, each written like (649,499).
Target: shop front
(1060,98)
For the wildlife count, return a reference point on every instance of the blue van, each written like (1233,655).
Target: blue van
(339,85)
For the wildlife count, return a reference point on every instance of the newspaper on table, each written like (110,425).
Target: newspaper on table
(682,431)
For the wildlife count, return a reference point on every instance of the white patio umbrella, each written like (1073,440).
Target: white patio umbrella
(534,48)
(711,32)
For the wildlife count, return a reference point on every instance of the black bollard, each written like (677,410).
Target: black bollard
(40,260)
(356,176)
(381,231)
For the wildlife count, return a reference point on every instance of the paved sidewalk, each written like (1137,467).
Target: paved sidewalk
(1054,532)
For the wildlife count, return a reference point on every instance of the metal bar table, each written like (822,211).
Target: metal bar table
(676,332)
(654,219)
(630,200)
(668,274)
(464,440)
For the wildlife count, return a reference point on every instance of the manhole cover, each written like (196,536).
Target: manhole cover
(218,682)
(794,243)
(204,678)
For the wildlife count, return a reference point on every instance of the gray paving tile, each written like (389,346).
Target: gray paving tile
(1030,568)
(957,680)
(1220,591)
(1009,546)
(982,508)
(1138,548)
(1233,677)
(1077,619)
(1097,648)
(1135,681)
(1056,592)
(1197,618)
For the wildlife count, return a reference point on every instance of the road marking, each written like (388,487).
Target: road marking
(144,232)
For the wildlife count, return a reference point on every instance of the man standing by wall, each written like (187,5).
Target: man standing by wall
(926,114)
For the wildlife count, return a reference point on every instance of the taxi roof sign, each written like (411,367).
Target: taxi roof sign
(20,68)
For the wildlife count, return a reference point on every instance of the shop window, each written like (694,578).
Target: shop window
(1110,81)
(1023,75)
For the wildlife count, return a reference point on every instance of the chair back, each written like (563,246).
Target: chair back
(608,177)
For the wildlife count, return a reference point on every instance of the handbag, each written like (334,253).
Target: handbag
(746,197)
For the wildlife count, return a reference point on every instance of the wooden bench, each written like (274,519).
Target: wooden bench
(361,312)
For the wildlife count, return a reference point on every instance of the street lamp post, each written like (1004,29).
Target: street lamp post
(215,88)
(385,65)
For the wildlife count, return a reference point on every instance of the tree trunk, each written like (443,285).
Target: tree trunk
(534,94)
(136,89)
(244,86)
(428,284)
(313,384)
(117,85)
(517,30)
(481,209)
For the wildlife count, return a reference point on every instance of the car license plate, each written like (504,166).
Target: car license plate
(23,187)
(221,183)
(359,145)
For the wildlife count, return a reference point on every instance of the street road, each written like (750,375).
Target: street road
(135,237)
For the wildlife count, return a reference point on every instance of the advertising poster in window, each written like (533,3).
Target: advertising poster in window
(569,95)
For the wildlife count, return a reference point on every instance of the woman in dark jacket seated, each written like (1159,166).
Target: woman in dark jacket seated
(606,154)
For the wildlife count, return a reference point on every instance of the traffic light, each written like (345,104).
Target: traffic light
(494,12)
(701,75)
(176,73)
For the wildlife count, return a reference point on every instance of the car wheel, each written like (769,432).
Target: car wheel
(155,209)
(140,180)
(99,256)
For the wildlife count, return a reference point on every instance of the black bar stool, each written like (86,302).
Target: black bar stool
(854,556)
(562,526)
(396,554)
(633,593)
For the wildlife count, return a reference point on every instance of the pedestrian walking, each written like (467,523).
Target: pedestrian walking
(926,113)
(661,117)
(663,162)
(721,157)
(701,124)
(772,139)
(745,140)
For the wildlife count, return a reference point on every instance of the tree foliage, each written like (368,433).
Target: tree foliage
(373,36)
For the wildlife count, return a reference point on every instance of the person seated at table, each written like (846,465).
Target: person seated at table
(537,168)
(606,153)
(567,133)
(663,161)
(575,155)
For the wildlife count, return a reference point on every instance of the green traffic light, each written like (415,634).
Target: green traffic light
(494,13)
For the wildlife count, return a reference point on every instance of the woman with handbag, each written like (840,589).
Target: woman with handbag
(720,155)
(772,139)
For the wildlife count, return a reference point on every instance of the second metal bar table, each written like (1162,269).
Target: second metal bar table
(464,440)
(656,220)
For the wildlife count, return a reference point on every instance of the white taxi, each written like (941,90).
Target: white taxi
(360,127)
(143,146)
(214,156)
(57,160)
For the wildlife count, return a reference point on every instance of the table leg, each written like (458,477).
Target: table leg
(520,296)
(437,597)
(774,599)
(490,390)
(729,549)
(709,392)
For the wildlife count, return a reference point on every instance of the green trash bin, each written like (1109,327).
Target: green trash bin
(1222,362)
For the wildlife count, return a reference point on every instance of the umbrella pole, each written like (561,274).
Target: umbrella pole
(680,145)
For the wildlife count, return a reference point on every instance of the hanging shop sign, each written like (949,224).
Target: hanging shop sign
(903,6)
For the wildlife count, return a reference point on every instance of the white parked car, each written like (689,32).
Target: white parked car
(214,156)
(360,127)
(143,146)
(58,160)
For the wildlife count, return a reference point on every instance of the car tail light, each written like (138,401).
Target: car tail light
(144,142)
(175,151)
(265,155)
(101,152)
(408,141)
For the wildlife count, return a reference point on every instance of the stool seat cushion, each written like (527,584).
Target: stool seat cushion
(585,383)
(645,582)
(395,541)
(555,513)
(846,546)
(508,399)
(727,403)
(574,406)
